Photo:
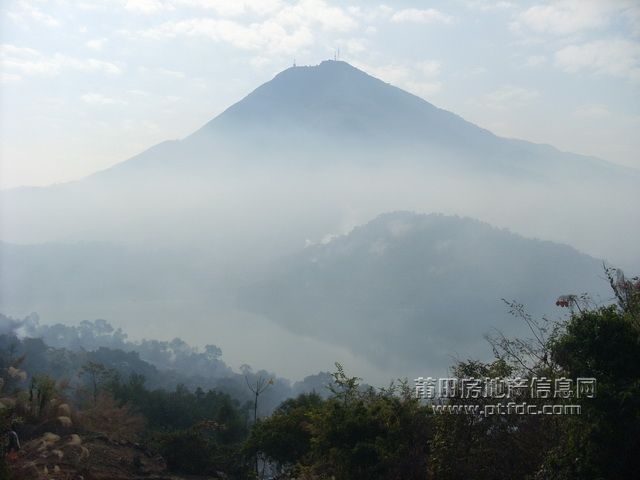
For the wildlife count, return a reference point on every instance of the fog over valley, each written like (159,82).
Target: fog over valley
(327,216)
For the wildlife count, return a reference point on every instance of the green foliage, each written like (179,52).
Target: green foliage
(378,435)
(198,450)
(182,409)
(41,391)
(492,447)
(97,376)
(627,293)
(604,441)
(354,434)
(196,432)
(284,438)
(184,451)
(344,387)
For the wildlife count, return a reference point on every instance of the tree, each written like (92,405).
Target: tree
(257,389)
(489,447)
(357,433)
(604,343)
(41,391)
(261,384)
(284,438)
(97,375)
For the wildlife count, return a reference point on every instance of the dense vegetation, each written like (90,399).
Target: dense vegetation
(360,432)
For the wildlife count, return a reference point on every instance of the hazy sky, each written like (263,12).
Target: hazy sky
(89,83)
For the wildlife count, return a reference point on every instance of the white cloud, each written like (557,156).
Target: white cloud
(232,8)
(419,78)
(90,64)
(580,33)
(423,89)
(147,6)
(6,50)
(25,13)
(371,14)
(414,15)
(96,43)
(171,73)
(615,57)
(592,112)
(489,5)
(535,60)
(90,5)
(26,61)
(223,8)
(565,17)
(316,13)
(260,61)
(632,15)
(287,14)
(268,36)
(286,32)
(9,77)
(354,45)
(509,96)
(139,93)
(429,68)
(136,125)
(99,99)
(577,17)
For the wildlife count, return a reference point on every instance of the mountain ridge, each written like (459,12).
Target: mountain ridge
(405,281)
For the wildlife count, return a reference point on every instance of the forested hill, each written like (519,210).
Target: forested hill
(61,351)
(409,289)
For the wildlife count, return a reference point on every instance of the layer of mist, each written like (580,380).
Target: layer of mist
(176,241)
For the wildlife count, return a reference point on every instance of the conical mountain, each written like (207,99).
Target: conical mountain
(336,113)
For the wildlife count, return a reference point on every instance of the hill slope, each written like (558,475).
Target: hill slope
(412,289)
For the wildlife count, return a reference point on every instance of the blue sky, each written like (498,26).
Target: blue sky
(89,83)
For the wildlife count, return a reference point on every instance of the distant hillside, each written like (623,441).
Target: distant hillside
(412,289)
(61,350)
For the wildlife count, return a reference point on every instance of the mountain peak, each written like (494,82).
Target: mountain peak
(328,65)
(334,98)
(330,77)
